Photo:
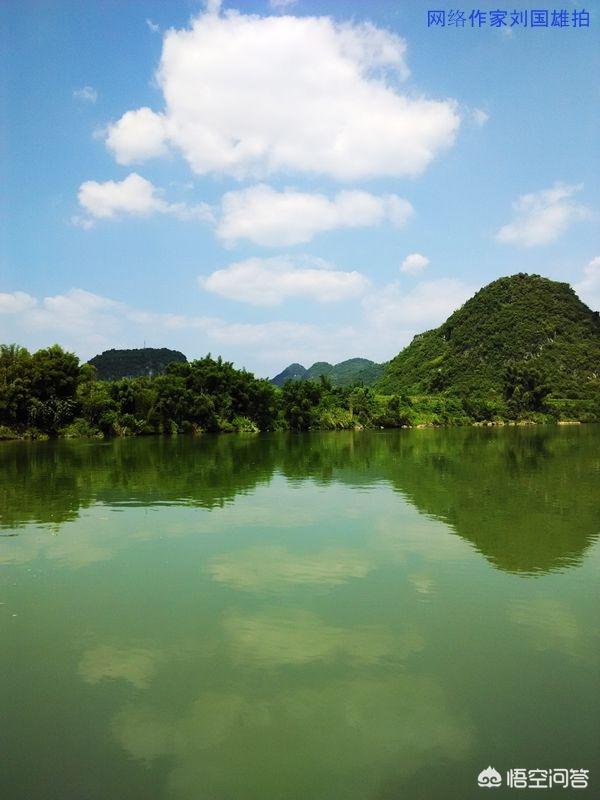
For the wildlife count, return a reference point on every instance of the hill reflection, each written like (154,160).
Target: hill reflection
(525,498)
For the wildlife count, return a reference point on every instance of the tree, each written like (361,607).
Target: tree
(15,384)
(525,389)
(54,374)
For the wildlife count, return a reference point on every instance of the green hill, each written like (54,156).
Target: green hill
(354,370)
(318,368)
(346,373)
(522,329)
(295,372)
(148,361)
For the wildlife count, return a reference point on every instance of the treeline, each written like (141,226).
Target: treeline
(49,393)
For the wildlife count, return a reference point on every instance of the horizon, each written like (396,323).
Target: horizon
(163,191)
(297,363)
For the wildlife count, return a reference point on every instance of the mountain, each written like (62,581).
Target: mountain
(115,364)
(318,368)
(295,372)
(526,323)
(346,373)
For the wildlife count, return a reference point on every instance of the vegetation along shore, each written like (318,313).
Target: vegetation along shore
(523,350)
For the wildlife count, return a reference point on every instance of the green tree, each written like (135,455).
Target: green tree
(54,374)
(525,389)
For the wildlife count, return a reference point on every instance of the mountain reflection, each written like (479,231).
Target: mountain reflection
(525,498)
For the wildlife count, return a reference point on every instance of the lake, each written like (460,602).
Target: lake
(367,615)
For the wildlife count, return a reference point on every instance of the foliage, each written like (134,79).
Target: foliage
(525,389)
(50,393)
(147,361)
(524,321)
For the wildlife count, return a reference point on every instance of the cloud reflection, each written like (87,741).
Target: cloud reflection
(296,636)
(272,567)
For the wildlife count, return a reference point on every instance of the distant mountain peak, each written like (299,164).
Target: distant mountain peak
(294,372)
(346,373)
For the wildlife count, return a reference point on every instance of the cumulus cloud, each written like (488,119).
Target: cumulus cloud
(16,302)
(429,303)
(270,281)
(133,195)
(76,310)
(213,6)
(385,320)
(541,217)
(88,323)
(87,94)
(588,287)
(259,213)
(414,263)
(138,135)
(249,96)
(82,321)
(272,218)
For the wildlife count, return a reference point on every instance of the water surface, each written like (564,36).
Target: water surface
(353,615)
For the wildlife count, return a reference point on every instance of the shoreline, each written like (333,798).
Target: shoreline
(29,436)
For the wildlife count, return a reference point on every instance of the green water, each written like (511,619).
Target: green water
(354,615)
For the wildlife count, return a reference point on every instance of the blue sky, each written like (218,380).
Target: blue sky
(280,182)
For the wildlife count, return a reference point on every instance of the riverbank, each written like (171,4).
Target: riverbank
(85,432)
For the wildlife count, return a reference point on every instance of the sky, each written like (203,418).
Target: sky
(284,181)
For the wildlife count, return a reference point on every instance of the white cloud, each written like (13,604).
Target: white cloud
(479,117)
(414,263)
(270,281)
(77,311)
(133,195)
(403,313)
(588,287)
(88,323)
(152,25)
(282,5)
(268,217)
(541,217)
(15,302)
(137,136)
(249,96)
(259,213)
(80,320)
(87,93)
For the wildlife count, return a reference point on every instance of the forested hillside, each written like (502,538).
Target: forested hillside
(520,334)
(147,361)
